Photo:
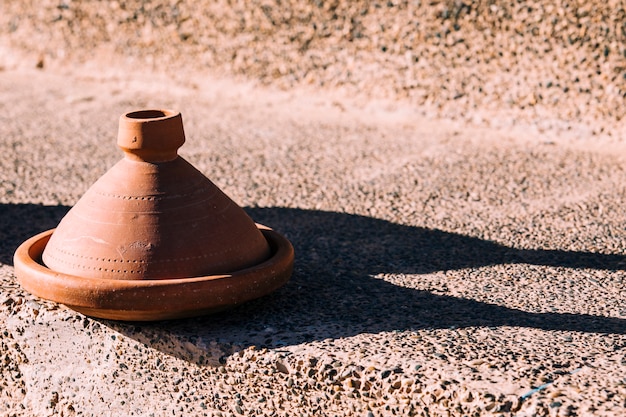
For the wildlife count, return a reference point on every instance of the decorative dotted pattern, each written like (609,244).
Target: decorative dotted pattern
(135,261)
(168,269)
(155,198)
(130,197)
(93,268)
(94,258)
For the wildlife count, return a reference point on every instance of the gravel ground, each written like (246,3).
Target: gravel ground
(443,267)
(439,270)
(562,61)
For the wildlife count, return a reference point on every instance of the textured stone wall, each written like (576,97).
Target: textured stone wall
(563,57)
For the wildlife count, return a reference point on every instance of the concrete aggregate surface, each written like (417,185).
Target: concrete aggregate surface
(455,256)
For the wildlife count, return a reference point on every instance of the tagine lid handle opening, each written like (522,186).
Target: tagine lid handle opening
(151,135)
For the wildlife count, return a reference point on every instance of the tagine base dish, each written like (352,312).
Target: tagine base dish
(153,299)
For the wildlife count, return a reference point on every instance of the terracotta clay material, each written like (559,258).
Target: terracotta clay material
(153,238)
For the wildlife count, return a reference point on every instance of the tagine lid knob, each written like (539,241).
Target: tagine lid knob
(151,135)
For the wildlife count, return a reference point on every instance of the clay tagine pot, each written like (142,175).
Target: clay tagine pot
(153,238)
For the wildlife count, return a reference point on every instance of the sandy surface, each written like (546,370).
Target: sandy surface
(558,64)
(444,265)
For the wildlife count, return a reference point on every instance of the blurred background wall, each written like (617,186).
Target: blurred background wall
(555,58)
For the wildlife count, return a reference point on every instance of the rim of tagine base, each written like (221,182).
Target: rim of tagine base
(153,299)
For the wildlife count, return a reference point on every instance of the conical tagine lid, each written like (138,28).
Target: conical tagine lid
(153,215)
(153,238)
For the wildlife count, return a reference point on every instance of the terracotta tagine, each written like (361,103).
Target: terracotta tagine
(153,238)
